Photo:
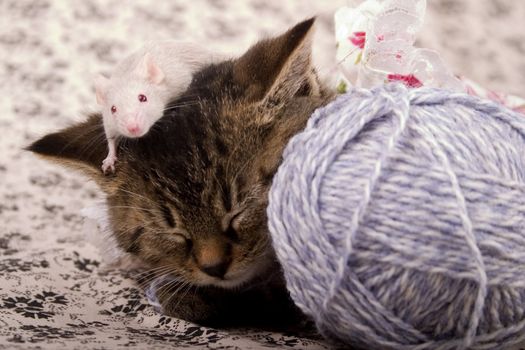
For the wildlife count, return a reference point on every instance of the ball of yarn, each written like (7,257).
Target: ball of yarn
(399,219)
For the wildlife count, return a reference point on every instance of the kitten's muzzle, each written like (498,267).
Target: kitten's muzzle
(217,270)
(213,257)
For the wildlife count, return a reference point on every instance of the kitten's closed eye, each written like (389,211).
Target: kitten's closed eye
(231,231)
(174,241)
(178,238)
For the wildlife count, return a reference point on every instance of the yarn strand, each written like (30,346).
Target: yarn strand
(469,238)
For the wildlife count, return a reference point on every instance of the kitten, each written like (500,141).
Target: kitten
(190,198)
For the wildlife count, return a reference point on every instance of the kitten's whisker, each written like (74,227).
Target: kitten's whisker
(152,271)
(144,281)
(147,283)
(88,130)
(219,183)
(175,292)
(131,207)
(240,170)
(136,195)
(182,295)
(167,290)
(97,139)
(142,224)
(155,269)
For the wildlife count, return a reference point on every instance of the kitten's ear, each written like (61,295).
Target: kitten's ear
(149,70)
(101,89)
(80,146)
(279,68)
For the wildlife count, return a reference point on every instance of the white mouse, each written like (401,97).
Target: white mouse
(134,97)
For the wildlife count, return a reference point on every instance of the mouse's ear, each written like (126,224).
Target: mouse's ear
(149,70)
(79,146)
(101,89)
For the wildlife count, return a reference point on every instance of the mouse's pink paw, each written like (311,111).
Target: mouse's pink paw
(108,165)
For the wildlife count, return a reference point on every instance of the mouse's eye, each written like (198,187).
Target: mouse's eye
(113,109)
(142,98)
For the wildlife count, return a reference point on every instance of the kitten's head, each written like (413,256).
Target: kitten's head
(190,197)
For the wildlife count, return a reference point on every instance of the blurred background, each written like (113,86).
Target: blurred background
(50,50)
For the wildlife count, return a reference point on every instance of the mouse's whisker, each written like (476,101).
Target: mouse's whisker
(170,107)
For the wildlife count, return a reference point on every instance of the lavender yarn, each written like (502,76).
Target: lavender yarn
(399,219)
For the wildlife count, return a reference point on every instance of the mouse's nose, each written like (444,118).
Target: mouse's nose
(133,128)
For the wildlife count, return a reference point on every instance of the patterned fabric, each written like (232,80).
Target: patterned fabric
(54,291)
(59,297)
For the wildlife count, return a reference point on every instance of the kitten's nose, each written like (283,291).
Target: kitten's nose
(217,270)
(213,256)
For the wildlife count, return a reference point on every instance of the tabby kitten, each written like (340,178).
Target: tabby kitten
(189,199)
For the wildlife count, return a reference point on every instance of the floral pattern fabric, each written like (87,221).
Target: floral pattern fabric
(56,292)
(61,298)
